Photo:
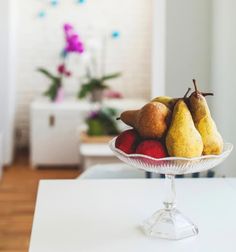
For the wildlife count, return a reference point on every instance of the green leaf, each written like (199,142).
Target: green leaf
(51,92)
(48,74)
(109,112)
(110,76)
(85,89)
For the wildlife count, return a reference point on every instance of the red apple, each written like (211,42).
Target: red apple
(127,141)
(151,148)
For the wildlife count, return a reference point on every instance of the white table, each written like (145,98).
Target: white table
(104,215)
(97,153)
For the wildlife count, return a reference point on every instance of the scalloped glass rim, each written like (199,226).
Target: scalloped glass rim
(227,149)
(171,165)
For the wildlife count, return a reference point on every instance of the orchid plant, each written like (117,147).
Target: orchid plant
(73,41)
(95,84)
(53,92)
(95,79)
(73,45)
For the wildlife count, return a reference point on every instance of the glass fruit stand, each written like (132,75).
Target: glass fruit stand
(169,222)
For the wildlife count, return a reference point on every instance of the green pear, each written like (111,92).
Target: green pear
(183,139)
(166,100)
(212,140)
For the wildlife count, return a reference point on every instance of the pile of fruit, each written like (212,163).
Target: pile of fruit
(176,127)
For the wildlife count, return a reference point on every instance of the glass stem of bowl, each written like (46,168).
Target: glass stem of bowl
(169,201)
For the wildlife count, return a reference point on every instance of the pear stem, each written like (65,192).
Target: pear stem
(197,92)
(186,93)
(117,118)
(195,86)
(206,94)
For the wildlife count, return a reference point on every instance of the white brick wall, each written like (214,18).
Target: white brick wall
(39,42)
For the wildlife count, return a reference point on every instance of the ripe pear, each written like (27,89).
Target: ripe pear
(129,117)
(151,121)
(212,140)
(183,139)
(167,100)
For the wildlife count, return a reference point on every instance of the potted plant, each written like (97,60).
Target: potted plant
(95,86)
(73,45)
(102,123)
(55,92)
(96,77)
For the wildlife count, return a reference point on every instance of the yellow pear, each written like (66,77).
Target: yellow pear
(167,100)
(212,140)
(183,139)
(151,121)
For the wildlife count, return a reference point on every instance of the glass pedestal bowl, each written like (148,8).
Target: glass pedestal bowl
(169,222)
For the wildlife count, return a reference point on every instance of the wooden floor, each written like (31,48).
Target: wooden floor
(18,189)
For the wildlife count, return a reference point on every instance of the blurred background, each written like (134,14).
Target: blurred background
(69,67)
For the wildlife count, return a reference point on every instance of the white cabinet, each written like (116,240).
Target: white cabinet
(54,127)
(53,132)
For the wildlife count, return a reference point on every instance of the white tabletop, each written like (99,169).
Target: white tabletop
(96,150)
(104,215)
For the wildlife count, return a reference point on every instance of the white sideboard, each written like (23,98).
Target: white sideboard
(54,138)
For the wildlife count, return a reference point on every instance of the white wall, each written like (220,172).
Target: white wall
(158,85)
(188,37)
(223,75)
(199,42)
(40,41)
(7,94)
(181,46)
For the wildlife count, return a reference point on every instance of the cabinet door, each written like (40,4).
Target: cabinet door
(54,137)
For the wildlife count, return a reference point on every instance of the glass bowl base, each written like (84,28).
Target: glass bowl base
(169,224)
